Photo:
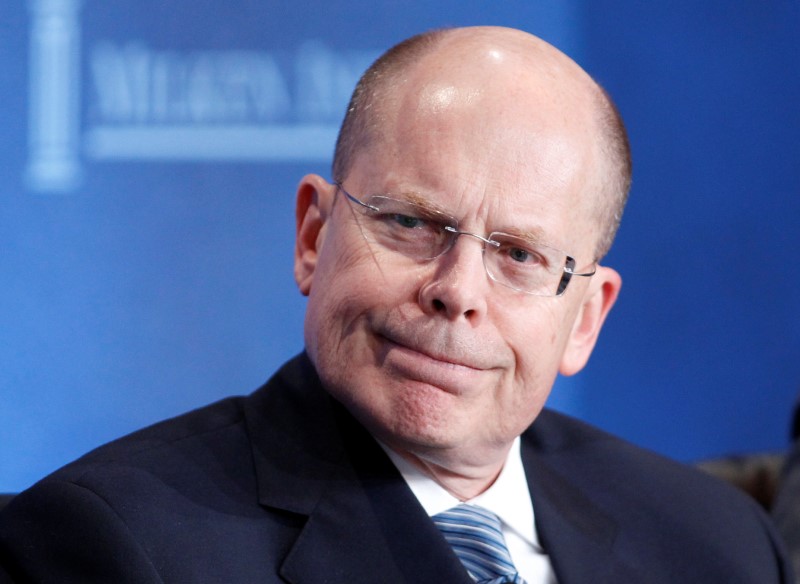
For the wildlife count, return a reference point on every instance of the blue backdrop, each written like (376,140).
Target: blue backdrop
(148,161)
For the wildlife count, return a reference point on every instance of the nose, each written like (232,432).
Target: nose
(458,285)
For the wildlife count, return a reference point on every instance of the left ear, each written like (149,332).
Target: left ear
(600,297)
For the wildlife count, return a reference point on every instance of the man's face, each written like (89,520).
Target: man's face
(434,357)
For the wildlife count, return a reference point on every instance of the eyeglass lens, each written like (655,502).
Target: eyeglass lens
(422,234)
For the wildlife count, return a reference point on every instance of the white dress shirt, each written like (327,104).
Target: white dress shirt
(508,498)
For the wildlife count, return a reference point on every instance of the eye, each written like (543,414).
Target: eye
(406,221)
(519,255)
(522,255)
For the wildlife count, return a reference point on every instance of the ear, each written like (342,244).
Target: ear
(312,210)
(600,297)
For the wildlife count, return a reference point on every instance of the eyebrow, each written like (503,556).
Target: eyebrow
(419,200)
(532,234)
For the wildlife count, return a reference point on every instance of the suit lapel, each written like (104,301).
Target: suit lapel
(574,531)
(370,528)
(363,523)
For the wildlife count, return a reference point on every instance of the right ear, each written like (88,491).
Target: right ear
(314,196)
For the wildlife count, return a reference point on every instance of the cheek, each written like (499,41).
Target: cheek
(353,283)
(537,358)
(537,338)
(332,293)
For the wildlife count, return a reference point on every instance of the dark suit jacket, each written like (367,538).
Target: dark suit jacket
(285,486)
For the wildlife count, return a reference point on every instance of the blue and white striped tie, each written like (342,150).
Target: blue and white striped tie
(475,535)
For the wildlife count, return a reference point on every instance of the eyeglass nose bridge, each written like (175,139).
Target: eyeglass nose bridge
(455,233)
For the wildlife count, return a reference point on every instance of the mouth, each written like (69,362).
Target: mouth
(455,360)
(424,367)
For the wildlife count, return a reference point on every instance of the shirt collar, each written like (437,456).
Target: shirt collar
(508,497)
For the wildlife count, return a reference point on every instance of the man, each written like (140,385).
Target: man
(452,272)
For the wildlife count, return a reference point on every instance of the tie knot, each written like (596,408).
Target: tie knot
(476,537)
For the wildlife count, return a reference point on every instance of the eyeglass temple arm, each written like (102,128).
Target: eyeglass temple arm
(339,187)
(569,266)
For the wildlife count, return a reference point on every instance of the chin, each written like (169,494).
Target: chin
(422,433)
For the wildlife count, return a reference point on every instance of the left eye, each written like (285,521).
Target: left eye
(521,255)
(407,221)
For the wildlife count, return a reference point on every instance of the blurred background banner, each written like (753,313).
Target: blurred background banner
(149,154)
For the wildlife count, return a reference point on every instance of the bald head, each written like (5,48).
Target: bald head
(520,86)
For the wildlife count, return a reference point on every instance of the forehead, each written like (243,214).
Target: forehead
(532,184)
(498,131)
(489,137)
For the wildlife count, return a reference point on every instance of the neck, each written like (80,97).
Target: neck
(463,480)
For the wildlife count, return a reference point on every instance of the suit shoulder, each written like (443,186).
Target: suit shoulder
(164,443)
(643,488)
(665,512)
(577,446)
(197,447)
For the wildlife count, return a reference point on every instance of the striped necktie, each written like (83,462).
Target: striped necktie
(475,535)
